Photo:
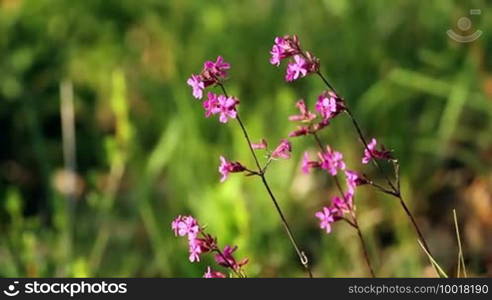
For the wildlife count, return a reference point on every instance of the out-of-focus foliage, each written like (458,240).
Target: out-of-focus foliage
(145,153)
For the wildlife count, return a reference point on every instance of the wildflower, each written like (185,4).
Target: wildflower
(329,105)
(261,145)
(353,180)
(220,104)
(326,218)
(196,83)
(186,225)
(226,258)
(195,249)
(213,274)
(283,150)
(341,205)
(227,108)
(308,164)
(302,63)
(300,131)
(211,105)
(296,69)
(305,115)
(215,71)
(371,152)
(284,47)
(227,167)
(331,161)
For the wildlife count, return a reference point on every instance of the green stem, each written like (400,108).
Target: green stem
(302,256)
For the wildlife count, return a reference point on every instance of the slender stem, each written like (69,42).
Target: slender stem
(302,256)
(417,229)
(318,141)
(349,222)
(395,189)
(353,223)
(364,247)
(382,188)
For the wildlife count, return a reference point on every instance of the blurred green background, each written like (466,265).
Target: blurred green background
(144,152)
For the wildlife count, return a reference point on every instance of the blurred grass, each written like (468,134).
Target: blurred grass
(145,153)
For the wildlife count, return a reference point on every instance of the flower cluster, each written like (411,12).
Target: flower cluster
(340,205)
(329,105)
(332,161)
(301,64)
(200,242)
(213,72)
(188,226)
(371,152)
(220,104)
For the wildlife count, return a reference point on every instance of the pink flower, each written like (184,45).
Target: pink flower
(216,71)
(371,152)
(326,218)
(297,68)
(197,246)
(329,105)
(302,63)
(284,47)
(227,108)
(195,249)
(283,150)
(227,259)
(186,225)
(196,83)
(211,105)
(300,131)
(331,161)
(220,104)
(212,73)
(305,115)
(353,180)
(308,164)
(341,206)
(227,167)
(261,145)
(213,274)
